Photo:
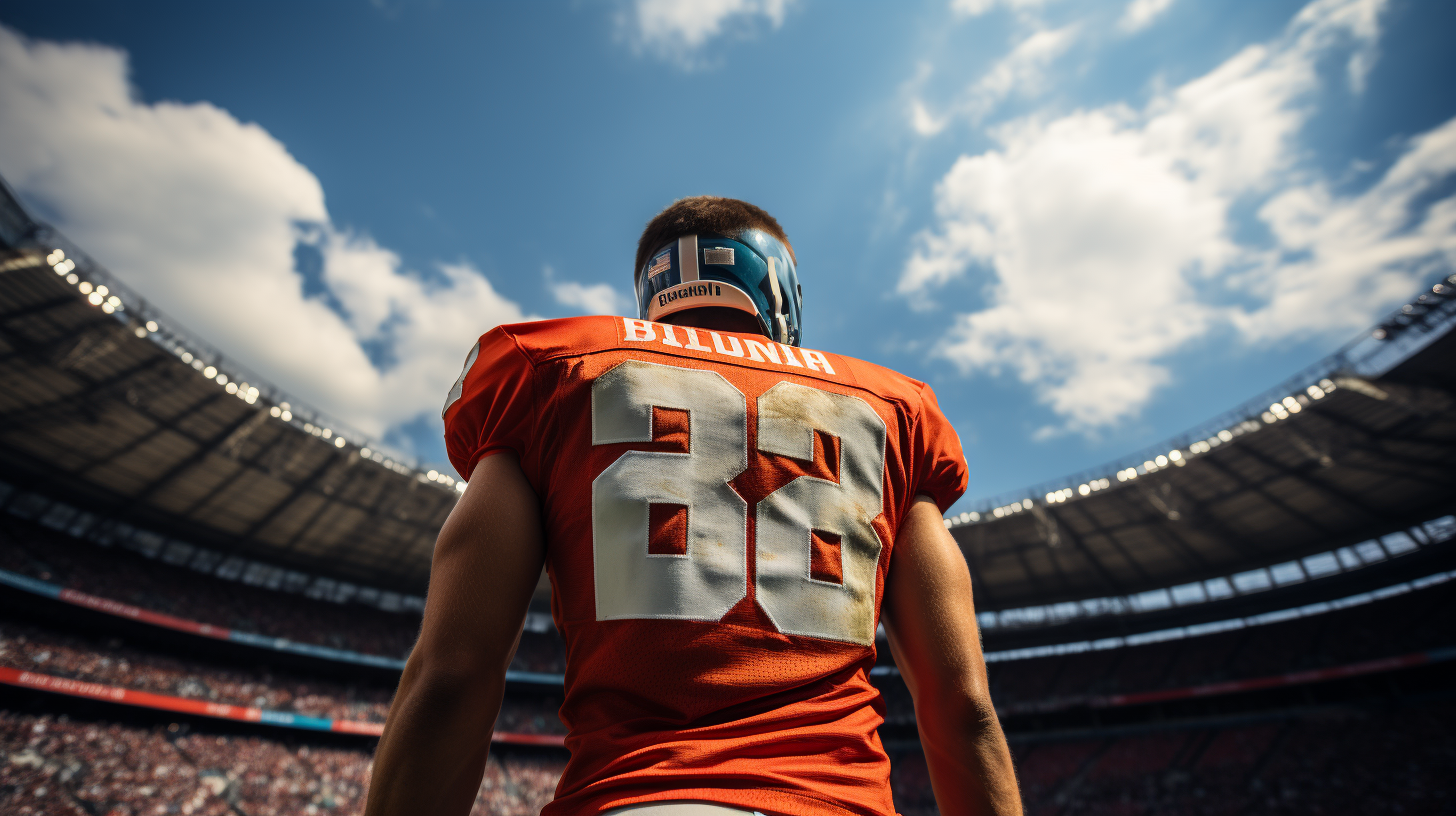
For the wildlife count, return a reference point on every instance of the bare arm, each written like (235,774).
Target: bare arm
(931,622)
(487,559)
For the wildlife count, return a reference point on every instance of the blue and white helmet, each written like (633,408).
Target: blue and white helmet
(752,272)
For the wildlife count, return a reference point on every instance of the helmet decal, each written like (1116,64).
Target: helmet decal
(752,272)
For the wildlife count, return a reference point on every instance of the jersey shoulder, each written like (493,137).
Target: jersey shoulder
(887,383)
(541,340)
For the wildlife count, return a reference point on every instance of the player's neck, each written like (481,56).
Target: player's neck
(715,318)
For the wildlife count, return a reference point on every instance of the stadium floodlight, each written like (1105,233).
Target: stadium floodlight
(72,278)
(85,287)
(365,452)
(209,372)
(222,379)
(57,255)
(231,388)
(287,416)
(151,325)
(339,442)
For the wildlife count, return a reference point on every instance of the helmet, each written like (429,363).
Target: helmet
(752,272)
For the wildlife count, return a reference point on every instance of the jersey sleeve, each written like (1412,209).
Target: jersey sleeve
(491,407)
(942,464)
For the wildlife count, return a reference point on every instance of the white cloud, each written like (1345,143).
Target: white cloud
(1139,14)
(1107,240)
(975,8)
(1342,255)
(595,299)
(677,29)
(201,214)
(1022,72)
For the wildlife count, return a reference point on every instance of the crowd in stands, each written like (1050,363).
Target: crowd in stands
(1388,627)
(53,765)
(1398,625)
(1367,762)
(121,575)
(33,648)
(1354,760)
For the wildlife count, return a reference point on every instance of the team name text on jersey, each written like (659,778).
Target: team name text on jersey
(645,331)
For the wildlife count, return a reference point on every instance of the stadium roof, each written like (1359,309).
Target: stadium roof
(108,405)
(1358,446)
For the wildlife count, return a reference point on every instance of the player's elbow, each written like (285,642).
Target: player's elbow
(449,674)
(958,711)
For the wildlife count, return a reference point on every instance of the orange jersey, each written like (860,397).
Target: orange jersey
(720,512)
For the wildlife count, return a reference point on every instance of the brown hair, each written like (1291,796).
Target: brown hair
(699,214)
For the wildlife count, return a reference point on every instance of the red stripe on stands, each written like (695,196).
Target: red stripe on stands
(356,727)
(114,694)
(1290,679)
(528,739)
(183,705)
(137,613)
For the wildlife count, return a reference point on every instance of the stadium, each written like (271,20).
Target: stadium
(209,588)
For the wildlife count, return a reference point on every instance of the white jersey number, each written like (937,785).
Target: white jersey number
(712,576)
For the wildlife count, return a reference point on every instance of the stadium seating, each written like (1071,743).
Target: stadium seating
(32,550)
(1291,762)
(33,648)
(57,765)
(1365,761)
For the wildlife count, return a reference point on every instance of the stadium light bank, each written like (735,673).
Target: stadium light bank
(151,324)
(1366,356)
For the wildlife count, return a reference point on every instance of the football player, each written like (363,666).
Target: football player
(726,517)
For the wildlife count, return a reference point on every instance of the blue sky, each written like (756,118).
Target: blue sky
(1088,225)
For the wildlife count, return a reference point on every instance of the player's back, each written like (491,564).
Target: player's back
(720,512)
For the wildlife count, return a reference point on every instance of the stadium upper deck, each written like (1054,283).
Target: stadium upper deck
(1360,445)
(111,407)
